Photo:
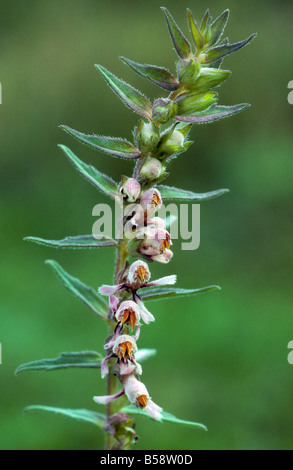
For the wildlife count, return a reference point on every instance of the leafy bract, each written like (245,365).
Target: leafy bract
(103,182)
(168,192)
(111,145)
(82,359)
(157,293)
(75,242)
(133,98)
(86,294)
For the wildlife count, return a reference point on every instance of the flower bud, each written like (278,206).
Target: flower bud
(188,71)
(130,189)
(139,274)
(152,169)
(164,110)
(172,143)
(147,136)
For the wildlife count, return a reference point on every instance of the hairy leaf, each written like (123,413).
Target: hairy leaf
(83,359)
(166,417)
(214,113)
(81,415)
(113,146)
(218,26)
(129,95)
(195,32)
(157,293)
(103,182)
(158,75)
(86,294)
(168,192)
(80,241)
(180,42)
(220,51)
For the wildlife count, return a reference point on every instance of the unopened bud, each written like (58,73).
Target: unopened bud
(152,169)
(188,71)
(147,136)
(172,143)
(164,110)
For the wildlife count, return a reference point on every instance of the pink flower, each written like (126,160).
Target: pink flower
(138,395)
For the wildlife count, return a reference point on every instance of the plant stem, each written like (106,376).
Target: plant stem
(121,258)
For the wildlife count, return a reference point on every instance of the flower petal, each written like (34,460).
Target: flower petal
(104,400)
(163,281)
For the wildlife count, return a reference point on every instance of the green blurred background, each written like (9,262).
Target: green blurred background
(222,356)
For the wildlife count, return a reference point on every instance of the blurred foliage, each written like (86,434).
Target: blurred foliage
(222,357)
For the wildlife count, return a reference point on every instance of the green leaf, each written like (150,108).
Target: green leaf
(78,242)
(218,26)
(158,75)
(180,42)
(220,51)
(144,354)
(129,95)
(205,21)
(214,113)
(81,415)
(113,146)
(166,417)
(83,359)
(86,294)
(157,293)
(168,192)
(195,32)
(103,182)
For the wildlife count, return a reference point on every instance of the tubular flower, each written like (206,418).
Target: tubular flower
(128,314)
(151,201)
(130,189)
(138,277)
(156,241)
(125,349)
(138,395)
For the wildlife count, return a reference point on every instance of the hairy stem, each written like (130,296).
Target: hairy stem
(112,382)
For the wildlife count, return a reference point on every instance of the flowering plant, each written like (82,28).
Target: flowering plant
(160,135)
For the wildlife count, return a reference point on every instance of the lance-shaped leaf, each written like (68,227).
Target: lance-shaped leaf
(83,359)
(168,192)
(133,98)
(195,32)
(218,26)
(78,242)
(214,113)
(166,417)
(114,146)
(205,21)
(86,294)
(158,75)
(180,42)
(98,419)
(103,182)
(220,51)
(157,293)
